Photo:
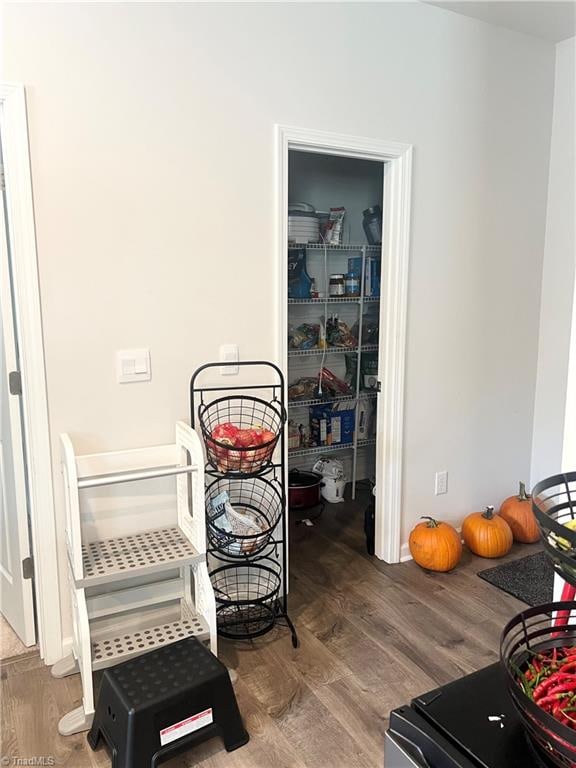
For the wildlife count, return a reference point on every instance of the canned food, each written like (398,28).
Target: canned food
(336,287)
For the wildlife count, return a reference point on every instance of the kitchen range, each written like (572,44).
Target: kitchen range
(470,723)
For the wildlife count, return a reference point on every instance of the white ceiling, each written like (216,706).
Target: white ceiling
(553,20)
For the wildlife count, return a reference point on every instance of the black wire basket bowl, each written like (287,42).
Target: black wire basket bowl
(246,598)
(534,631)
(257,500)
(554,505)
(264,419)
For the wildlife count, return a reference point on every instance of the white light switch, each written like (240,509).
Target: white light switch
(132,365)
(229,354)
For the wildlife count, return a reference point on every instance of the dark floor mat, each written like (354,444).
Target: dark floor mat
(530,578)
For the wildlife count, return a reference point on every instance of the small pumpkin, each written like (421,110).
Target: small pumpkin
(435,546)
(486,534)
(517,511)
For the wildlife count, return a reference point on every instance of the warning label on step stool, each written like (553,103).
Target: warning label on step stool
(184,727)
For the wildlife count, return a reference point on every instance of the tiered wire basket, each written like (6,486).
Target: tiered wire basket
(554,505)
(242,428)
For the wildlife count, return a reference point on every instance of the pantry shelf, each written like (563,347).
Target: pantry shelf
(293,404)
(331,350)
(343,247)
(330,448)
(336,300)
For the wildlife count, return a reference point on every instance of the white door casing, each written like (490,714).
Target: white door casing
(26,295)
(16,595)
(397,159)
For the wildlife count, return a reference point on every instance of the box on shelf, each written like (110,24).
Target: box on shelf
(331,425)
(371,273)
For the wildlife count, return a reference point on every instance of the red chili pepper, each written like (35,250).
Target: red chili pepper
(551,699)
(563,687)
(549,682)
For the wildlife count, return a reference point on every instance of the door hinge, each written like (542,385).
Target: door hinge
(378,386)
(2,179)
(28,568)
(15,382)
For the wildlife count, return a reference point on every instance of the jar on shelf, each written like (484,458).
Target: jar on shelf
(352,285)
(336,286)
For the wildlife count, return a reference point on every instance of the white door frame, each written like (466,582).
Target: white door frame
(395,255)
(20,213)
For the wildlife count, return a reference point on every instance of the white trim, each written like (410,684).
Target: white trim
(395,254)
(34,400)
(405,553)
(569,440)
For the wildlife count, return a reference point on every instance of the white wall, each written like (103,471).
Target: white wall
(151,134)
(558,277)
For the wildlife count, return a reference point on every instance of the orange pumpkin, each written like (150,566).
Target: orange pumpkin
(517,511)
(486,534)
(435,546)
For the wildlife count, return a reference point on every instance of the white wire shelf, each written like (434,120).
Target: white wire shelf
(331,350)
(330,448)
(343,247)
(293,404)
(336,300)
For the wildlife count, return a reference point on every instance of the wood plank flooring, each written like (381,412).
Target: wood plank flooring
(372,636)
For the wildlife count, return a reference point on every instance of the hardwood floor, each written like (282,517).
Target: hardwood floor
(372,636)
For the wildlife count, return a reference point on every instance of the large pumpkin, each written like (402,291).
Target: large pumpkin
(486,534)
(517,511)
(435,546)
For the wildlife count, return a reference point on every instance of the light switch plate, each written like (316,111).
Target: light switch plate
(229,354)
(441,482)
(133,365)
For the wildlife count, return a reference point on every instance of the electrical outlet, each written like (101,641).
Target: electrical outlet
(441,483)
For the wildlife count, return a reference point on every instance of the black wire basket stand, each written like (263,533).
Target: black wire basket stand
(554,505)
(243,432)
(531,632)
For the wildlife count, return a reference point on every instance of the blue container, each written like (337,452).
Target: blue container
(371,273)
(330,425)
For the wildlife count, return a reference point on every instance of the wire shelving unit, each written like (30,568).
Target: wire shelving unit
(357,394)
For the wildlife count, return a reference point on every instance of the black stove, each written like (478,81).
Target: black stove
(470,723)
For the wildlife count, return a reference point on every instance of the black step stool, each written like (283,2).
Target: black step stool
(159,704)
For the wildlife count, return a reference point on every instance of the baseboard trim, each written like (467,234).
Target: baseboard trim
(405,553)
(67,645)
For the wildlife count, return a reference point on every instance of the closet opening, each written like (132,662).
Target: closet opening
(334,217)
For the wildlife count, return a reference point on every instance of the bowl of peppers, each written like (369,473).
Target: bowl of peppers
(538,653)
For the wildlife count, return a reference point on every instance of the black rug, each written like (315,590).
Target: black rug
(530,578)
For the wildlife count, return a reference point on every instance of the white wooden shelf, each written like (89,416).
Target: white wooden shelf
(116,616)
(118,647)
(140,554)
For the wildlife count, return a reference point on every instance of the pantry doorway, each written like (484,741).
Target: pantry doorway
(343,226)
